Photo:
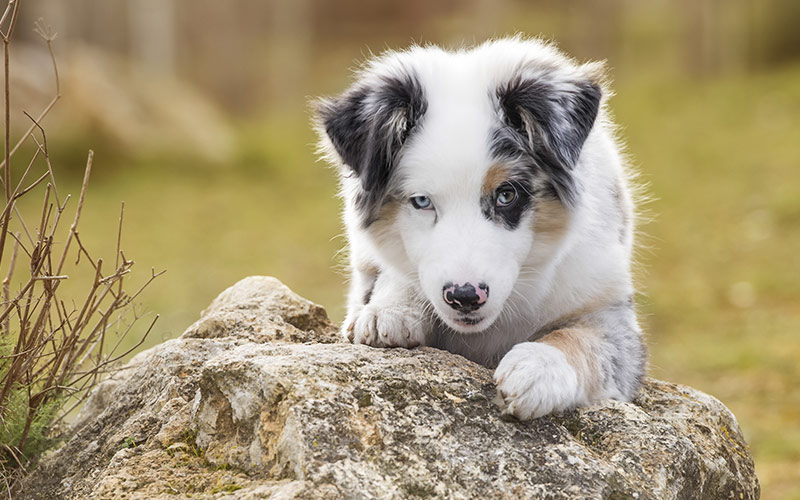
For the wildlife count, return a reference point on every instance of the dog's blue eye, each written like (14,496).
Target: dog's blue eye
(506,195)
(421,202)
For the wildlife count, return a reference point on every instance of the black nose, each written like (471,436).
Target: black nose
(465,298)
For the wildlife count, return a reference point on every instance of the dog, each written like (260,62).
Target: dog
(489,212)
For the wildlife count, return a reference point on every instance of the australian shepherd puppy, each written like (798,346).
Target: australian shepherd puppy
(488,213)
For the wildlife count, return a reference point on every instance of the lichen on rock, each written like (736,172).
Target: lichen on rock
(258,400)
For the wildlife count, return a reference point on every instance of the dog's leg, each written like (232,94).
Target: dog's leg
(393,315)
(597,356)
(362,283)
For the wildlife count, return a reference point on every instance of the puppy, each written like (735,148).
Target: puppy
(488,212)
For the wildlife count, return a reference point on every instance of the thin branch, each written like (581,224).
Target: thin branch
(52,101)
(42,147)
(74,227)
(82,250)
(9,8)
(153,276)
(119,234)
(25,229)
(129,350)
(13,7)
(35,183)
(21,244)
(6,286)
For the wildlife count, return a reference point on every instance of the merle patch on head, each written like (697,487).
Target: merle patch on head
(546,125)
(368,126)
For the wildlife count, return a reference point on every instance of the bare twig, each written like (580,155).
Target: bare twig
(74,227)
(52,102)
(7,283)
(153,276)
(119,234)
(55,353)
(11,10)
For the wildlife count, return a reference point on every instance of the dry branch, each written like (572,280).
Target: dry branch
(51,354)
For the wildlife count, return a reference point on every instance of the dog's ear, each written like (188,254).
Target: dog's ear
(368,125)
(554,120)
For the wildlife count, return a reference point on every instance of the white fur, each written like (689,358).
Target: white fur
(383,323)
(534,380)
(534,279)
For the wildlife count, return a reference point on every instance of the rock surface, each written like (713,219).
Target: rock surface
(257,400)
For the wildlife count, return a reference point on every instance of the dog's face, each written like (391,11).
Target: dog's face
(464,166)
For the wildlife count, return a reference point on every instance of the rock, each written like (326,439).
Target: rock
(256,401)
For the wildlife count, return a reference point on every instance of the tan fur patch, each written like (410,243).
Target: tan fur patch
(384,226)
(580,346)
(367,268)
(496,175)
(550,217)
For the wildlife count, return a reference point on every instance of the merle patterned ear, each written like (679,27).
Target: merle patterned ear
(554,120)
(368,126)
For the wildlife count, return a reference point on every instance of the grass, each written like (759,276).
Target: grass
(720,271)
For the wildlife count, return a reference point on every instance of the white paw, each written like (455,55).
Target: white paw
(386,327)
(534,379)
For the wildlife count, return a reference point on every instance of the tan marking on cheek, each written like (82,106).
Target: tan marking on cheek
(384,227)
(580,346)
(550,218)
(496,175)
(368,268)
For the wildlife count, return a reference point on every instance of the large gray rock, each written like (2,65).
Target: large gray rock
(256,400)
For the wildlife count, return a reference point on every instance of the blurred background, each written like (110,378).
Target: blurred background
(198,113)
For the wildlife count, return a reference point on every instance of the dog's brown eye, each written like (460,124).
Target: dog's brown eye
(506,195)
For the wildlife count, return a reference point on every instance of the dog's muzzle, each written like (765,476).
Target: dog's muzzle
(465,298)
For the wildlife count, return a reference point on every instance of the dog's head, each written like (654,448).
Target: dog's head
(461,166)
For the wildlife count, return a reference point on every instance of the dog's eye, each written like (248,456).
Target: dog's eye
(421,202)
(506,195)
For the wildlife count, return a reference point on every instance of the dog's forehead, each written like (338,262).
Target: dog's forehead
(451,145)
(449,153)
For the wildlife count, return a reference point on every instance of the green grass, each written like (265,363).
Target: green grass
(38,435)
(719,274)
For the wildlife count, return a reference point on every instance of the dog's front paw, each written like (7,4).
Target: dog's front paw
(534,380)
(387,327)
